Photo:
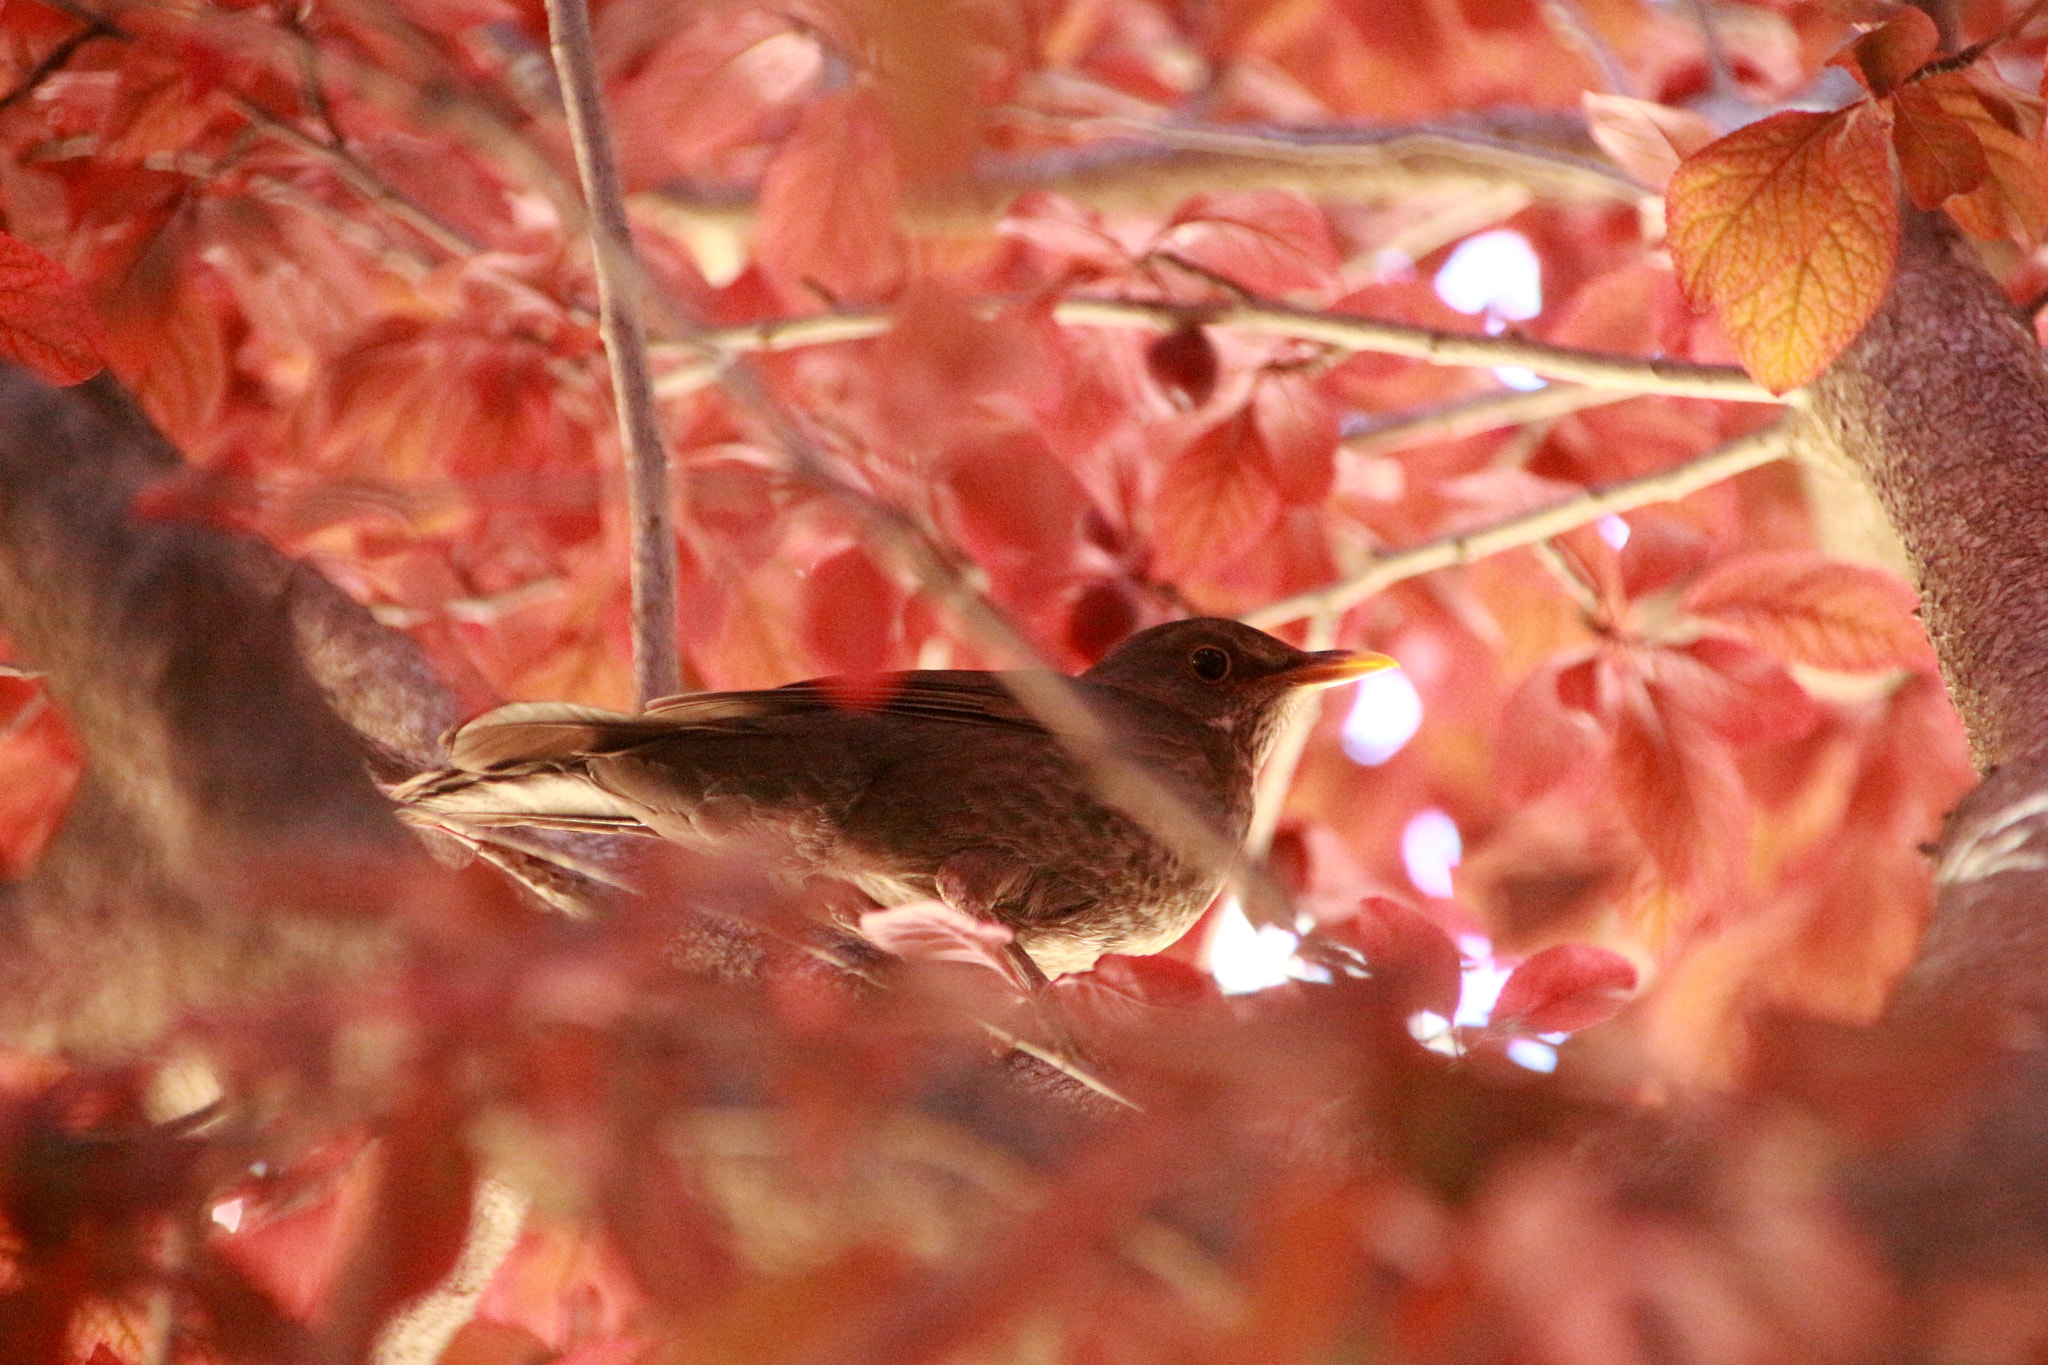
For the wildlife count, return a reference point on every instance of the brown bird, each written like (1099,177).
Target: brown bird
(935,783)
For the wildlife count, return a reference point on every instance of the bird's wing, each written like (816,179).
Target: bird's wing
(957,695)
(548,732)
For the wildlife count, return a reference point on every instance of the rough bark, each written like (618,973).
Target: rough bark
(228,840)
(1943,402)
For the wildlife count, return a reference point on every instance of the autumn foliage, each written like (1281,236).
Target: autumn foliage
(1022,298)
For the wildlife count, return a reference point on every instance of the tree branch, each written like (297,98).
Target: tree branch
(656,669)
(1593,369)
(1471,416)
(1943,402)
(1745,452)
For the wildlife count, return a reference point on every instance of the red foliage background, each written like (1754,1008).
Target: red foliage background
(331,251)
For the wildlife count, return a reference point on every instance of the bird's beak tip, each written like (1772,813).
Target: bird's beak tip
(1334,666)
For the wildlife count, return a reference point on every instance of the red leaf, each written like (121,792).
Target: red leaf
(1299,428)
(1183,362)
(1216,498)
(1541,740)
(1121,991)
(2012,201)
(1564,988)
(1102,614)
(1403,949)
(1072,236)
(851,614)
(425,1178)
(1678,785)
(45,321)
(828,203)
(1789,230)
(1265,241)
(1743,696)
(1017,505)
(1661,550)
(1809,609)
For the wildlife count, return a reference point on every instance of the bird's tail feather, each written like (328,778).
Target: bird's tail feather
(546,731)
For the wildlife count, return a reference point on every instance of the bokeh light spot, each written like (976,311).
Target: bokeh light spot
(1384,715)
(1430,847)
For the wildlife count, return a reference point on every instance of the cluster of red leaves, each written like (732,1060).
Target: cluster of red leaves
(323,250)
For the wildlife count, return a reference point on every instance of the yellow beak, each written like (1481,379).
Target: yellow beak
(1334,666)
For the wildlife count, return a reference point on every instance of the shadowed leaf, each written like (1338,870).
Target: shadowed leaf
(1566,987)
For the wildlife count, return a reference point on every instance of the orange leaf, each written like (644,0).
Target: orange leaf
(1789,230)
(1884,58)
(45,321)
(1217,497)
(1940,155)
(2012,199)
(1647,139)
(1807,609)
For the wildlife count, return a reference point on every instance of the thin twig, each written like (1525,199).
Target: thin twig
(1471,416)
(364,181)
(1594,369)
(1575,587)
(1569,22)
(656,667)
(1072,1070)
(1746,452)
(307,53)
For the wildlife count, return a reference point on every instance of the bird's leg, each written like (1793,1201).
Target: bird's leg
(1027,967)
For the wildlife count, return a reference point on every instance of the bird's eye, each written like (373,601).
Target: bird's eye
(1210,664)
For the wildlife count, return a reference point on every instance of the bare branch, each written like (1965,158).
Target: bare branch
(1745,452)
(1594,369)
(656,669)
(1487,412)
(1146,164)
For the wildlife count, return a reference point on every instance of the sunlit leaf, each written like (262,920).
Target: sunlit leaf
(1789,230)
(2012,199)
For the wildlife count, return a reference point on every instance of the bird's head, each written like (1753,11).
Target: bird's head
(1225,673)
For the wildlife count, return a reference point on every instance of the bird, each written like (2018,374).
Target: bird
(934,783)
